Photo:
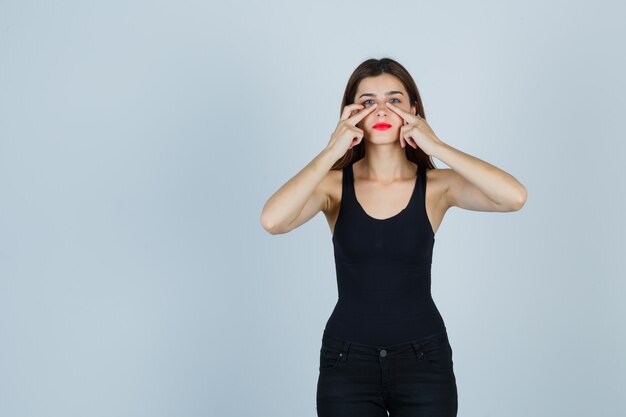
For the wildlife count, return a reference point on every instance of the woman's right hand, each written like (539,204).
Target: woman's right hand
(347,134)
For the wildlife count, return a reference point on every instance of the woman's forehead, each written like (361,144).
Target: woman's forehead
(382,85)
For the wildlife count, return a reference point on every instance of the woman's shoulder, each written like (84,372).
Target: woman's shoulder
(438,181)
(439,175)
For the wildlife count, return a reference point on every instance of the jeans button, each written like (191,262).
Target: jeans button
(383,353)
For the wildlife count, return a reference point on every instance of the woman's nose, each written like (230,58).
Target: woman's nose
(381,110)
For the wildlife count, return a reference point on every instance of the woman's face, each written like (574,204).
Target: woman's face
(381,89)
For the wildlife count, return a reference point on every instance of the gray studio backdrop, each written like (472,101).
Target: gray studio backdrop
(139,141)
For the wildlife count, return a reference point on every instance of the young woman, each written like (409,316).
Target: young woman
(385,347)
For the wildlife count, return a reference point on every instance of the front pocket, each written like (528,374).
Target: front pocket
(439,355)
(329,358)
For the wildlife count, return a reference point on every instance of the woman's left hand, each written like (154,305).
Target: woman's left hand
(416,131)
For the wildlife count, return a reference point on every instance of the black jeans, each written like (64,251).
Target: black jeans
(411,379)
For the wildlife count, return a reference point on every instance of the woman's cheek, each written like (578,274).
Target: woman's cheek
(397,120)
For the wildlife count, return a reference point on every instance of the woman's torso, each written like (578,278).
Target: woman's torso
(383,263)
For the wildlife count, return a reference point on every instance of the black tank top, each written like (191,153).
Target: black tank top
(383,271)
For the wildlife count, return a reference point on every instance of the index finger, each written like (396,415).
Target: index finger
(360,115)
(347,110)
(406,116)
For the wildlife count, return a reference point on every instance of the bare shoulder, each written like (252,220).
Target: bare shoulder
(437,175)
(438,181)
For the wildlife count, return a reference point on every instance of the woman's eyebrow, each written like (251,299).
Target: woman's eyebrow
(388,93)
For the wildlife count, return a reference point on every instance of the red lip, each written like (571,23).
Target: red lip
(381,126)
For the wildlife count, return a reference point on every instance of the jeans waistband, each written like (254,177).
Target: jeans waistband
(346,346)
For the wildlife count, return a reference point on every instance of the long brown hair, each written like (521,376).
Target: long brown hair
(371,68)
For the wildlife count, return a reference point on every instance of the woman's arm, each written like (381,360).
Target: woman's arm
(300,198)
(308,192)
(474,184)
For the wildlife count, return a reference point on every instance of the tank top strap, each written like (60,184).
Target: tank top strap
(348,185)
(421,169)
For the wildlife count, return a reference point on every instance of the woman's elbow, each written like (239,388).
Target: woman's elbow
(270,225)
(521,199)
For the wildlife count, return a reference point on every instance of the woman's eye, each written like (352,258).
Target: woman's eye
(365,102)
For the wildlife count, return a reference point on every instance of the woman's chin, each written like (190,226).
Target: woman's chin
(383,141)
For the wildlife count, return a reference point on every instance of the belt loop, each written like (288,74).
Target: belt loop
(416,349)
(346,351)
